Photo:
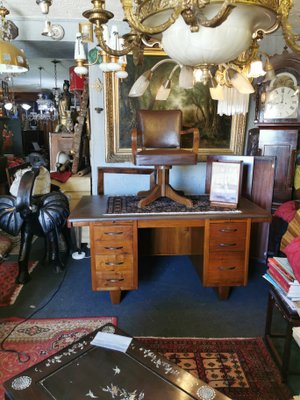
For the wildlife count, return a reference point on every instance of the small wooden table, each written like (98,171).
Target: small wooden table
(82,371)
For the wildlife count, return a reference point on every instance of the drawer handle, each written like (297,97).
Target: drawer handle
(113,233)
(114,248)
(114,263)
(115,280)
(226,230)
(227,268)
(227,244)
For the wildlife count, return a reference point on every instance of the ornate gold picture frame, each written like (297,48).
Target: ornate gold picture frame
(120,111)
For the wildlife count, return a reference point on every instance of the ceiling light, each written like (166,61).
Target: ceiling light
(44,5)
(12,59)
(193,32)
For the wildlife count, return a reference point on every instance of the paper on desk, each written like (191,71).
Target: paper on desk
(111,341)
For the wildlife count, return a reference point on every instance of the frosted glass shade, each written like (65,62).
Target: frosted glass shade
(186,77)
(81,70)
(233,103)
(215,45)
(140,85)
(256,69)
(241,83)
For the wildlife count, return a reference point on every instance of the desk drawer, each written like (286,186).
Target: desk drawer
(226,269)
(114,263)
(227,237)
(113,247)
(114,280)
(113,233)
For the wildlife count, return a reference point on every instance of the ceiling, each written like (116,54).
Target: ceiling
(41,50)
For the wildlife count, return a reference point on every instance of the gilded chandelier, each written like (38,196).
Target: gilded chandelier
(196,32)
(219,39)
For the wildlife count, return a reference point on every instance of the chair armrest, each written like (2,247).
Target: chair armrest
(196,137)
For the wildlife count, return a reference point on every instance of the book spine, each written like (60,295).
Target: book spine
(279,279)
(276,264)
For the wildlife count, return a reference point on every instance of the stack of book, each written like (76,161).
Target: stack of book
(280,274)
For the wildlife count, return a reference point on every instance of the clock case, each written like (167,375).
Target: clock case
(282,63)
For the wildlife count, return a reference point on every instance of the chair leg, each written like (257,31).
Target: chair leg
(163,189)
(173,195)
(153,195)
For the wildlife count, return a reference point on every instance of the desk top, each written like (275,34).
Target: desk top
(82,371)
(93,209)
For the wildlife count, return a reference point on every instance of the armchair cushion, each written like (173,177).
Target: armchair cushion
(287,210)
(166,157)
(292,232)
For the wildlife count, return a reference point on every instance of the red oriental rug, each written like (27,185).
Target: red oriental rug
(240,368)
(39,338)
(9,289)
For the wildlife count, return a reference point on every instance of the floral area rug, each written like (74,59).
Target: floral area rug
(39,338)
(242,369)
(9,290)
(127,205)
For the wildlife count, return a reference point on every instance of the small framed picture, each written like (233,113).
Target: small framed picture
(86,30)
(225,185)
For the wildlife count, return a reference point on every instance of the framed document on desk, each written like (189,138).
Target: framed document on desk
(225,184)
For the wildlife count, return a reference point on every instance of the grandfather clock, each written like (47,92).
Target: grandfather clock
(278,122)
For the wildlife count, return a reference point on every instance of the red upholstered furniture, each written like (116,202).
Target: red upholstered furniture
(156,142)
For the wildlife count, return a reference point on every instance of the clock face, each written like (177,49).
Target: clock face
(280,100)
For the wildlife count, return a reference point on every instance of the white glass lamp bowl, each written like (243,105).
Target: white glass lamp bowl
(214,45)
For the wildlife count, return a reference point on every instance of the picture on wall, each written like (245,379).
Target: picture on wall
(218,134)
(10,136)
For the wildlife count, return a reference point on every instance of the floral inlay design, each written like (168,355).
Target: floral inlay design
(21,383)
(159,363)
(123,394)
(70,351)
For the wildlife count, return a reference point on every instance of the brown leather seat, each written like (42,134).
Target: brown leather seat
(156,142)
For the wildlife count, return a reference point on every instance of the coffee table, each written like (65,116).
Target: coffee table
(83,371)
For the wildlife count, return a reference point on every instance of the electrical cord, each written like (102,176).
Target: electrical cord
(22,356)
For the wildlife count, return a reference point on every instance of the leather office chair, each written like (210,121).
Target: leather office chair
(158,138)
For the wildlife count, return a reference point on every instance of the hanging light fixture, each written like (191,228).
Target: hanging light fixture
(12,59)
(45,105)
(56,91)
(198,34)
(44,5)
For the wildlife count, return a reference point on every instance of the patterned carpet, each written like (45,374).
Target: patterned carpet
(39,338)
(163,205)
(9,290)
(240,368)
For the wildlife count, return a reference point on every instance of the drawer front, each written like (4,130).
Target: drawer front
(112,233)
(114,263)
(114,280)
(113,247)
(226,269)
(227,237)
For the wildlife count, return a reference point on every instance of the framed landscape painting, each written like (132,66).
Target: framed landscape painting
(218,134)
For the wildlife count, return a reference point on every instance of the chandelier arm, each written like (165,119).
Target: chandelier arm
(290,37)
(220,17)
(165,60)
(102,43)
(140,27)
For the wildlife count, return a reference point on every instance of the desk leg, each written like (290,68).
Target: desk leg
(223,292)
(115,296)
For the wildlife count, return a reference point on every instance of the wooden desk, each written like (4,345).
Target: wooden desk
(81,371)
(222,260)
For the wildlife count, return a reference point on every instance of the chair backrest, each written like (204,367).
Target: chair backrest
(160,128)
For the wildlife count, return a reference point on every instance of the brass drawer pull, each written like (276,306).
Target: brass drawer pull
(227,268)
(114,263)
(113,233)
(227,230)
(227,244)
(114,248)
(115,280)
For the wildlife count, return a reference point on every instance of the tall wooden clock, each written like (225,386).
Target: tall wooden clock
(278,121)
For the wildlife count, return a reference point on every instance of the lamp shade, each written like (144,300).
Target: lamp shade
(140,85)
(221,44)
(76,82)
(256,69)
(12,59)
